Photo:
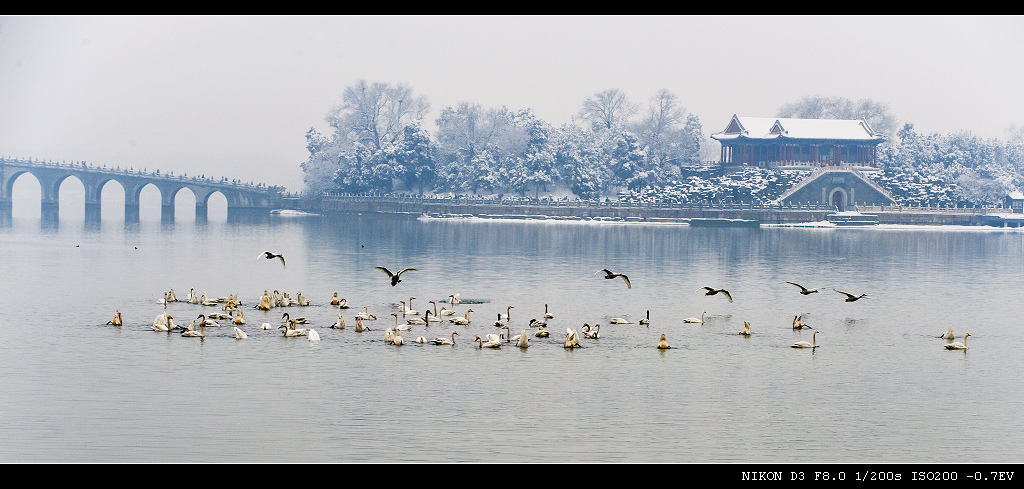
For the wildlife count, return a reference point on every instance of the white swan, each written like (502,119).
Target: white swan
(663,343)
(958,345)
(536,323)
(340,324)
(461,320)
(398,340)
(746,329)
(523,340)
(192,299)
(117,319)
(365,314)
(446,312)
(239,317)
(239,334)
(547,315)
(594,333)
(949,334)
(409,310)
(542,333)
(313,335)
(267,326)
(508,314)
(454,299)
(696,320)
(301,299)
(163,323)
(445,341)
(171,297)
(646,319)
(389,335)
(618,321)
(359,325)
(798,322)
(493,341)
(572,339)
(804,344)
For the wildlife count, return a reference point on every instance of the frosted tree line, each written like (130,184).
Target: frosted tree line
(378,145)
(618,146)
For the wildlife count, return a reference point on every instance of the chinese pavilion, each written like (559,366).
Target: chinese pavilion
(770,142)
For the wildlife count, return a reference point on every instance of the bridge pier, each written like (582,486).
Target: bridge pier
(202,213)
(6,212)
(92,212)
(49,212)
(131,212)
(167,213)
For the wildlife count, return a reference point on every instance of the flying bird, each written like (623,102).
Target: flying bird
(851,297)
(804,290)
(395,277)
(712,291)
(608,274)
(270,256)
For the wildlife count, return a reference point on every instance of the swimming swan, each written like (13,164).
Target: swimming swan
(445,341)
(804,344)
(696,320)
(239,334)
(958,345)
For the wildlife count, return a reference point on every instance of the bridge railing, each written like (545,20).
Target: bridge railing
(89,167)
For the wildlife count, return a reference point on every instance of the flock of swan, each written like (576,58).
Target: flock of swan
(232,311)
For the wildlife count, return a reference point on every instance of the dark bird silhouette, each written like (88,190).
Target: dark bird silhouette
(711,291)
(270,256)
(804,290)
(395,277)
(609,275)
(851,297)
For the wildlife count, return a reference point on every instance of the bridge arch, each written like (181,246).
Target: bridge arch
(29,189)
(240,199)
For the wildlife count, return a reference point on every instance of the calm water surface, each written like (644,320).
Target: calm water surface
(880,388)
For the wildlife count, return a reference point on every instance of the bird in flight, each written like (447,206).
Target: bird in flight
(395,277)
(609,275)
(851,297)
(270,256)
(804,290)
(712,291)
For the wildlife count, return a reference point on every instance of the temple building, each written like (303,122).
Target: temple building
(774,142)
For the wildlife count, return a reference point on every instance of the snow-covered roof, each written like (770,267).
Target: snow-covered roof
(1016,195)
(778,128)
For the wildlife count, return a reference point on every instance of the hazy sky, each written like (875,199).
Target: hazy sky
(234,96)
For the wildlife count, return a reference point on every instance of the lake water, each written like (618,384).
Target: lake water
(879,388)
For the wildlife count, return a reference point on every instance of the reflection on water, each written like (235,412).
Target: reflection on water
(880,387)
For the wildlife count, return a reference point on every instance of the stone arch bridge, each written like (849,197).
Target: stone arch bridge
(245,200)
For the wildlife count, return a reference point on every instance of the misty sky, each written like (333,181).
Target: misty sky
(234,96)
